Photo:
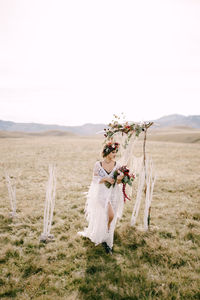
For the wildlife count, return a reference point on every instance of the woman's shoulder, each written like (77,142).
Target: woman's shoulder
(117,164)
(97,163)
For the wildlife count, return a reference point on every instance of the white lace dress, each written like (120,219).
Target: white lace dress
(96,208)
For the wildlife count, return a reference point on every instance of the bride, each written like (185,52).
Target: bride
(104,205)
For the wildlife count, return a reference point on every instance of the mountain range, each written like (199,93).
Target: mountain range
(174,120)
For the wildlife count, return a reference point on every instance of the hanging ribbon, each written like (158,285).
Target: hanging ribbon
(124,192)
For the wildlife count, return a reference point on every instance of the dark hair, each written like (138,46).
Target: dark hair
(110,147)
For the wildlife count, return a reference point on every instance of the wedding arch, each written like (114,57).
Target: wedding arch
(126,134)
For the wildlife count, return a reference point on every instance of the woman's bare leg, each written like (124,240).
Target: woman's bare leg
(110,215)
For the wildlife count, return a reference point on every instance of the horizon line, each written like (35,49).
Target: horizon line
(32,122)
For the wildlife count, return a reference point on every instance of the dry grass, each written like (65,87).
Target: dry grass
(19,134)
(160,264)
(175,134)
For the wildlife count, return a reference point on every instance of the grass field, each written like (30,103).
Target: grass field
(163,263)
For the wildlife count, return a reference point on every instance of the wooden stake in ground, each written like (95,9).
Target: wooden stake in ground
(12,194)
(149,182)
(149,186)
(49,205)
(144,183)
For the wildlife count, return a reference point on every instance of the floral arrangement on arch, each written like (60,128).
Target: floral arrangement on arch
(126,128)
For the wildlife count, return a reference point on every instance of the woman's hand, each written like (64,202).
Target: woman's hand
(120,177)
(110,180)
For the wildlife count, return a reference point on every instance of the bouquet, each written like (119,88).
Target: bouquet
(127,179)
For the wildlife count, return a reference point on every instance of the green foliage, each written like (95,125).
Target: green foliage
(18,242)
(30,270)
(125,128)
(166,235)
(11,293)
(195,238)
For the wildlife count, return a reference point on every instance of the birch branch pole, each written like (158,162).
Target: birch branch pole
(146,182)
(149,186)
(12,194)
(49,205)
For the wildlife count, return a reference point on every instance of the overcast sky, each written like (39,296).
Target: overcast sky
(73,62)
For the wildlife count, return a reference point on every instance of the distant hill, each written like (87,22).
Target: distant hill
(91,129)
(86,129)
(179,120)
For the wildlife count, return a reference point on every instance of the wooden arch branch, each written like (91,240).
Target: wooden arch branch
(145,169)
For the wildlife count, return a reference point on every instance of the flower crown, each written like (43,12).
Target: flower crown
(109,147)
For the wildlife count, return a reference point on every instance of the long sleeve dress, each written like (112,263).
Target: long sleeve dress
(96,207)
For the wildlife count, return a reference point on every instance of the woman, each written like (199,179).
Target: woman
(104,205)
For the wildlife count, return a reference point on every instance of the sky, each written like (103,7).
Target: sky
(71,62)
